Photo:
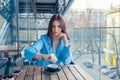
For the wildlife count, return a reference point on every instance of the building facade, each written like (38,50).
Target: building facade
(113,35)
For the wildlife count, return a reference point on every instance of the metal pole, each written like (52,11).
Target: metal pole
(16,13)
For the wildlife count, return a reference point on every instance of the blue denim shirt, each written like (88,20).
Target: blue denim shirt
(43,45)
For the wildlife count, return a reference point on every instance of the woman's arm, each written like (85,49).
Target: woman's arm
(64,37)
(33,50)
(33,54)
(66,55)
(66,52)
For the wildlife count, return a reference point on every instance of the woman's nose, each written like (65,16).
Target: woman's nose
(56,28)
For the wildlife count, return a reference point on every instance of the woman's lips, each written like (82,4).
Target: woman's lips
(56,33)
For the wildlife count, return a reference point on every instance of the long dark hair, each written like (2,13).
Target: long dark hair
(62,24)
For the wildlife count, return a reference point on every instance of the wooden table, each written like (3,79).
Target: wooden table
(69,72)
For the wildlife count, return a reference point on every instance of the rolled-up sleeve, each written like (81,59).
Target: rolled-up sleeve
(66,55)
(31,51)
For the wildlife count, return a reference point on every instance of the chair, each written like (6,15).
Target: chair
(19,61)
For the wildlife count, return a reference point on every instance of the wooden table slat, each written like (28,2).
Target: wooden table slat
(61,75)
(37,73)
(83,73)
(22,74)
(29,73)
(54,77)
(44,75)
(75,73)
(68,73)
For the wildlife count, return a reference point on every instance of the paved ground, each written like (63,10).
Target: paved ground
(94,72)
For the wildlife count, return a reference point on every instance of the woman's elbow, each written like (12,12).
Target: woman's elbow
(25,53)
(67,61)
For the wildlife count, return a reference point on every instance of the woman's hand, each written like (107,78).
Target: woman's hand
(64,37)
(50,57)
(38,56)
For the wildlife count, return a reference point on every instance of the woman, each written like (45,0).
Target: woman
(52,47)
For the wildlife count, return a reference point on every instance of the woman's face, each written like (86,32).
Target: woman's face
(56,28)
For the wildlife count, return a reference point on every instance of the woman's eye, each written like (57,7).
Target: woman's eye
(59,26)
(53,26)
